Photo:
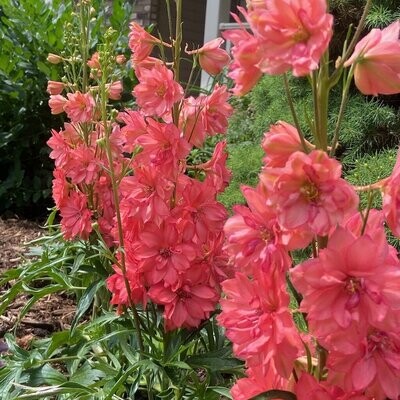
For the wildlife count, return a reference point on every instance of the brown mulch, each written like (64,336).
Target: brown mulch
(51,313)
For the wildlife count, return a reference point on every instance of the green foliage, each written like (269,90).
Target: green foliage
(29,30)
(245,162)
(98,357)
(265,105)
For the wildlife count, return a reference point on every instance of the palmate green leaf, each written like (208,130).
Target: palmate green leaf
(86,375)
(45,375)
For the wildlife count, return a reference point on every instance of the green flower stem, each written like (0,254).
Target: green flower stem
(321,103)
(314,81)
(353,42)
(84,17)
(294,114)
(322,358)
(371,195)
(177,53)
(107,132)
(343,103)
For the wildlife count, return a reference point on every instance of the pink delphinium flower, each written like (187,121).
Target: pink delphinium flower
(75,216)
(55,88)
(354,279)
(83,166)
(80,107)
(94,61)
(191,120)
(376,60)
(212,58)
(295,34)
(162,147)
(116,284)
(308,192)
(370,363)
(217,174)
(140,42)
(391,198)
(247,54)
(258,322)
(163,254)
(216,110)
(147,194)
(60,187)
(61,151)
(120,59)
(259,379)
(187,304)
(157,90)
(279,143)
(135,126)
(307,388)
(57,103)
(197,206)
(253,235)
(114,90)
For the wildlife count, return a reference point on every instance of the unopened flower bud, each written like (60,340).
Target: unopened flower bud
(120,59)
(54,58)
(338,61)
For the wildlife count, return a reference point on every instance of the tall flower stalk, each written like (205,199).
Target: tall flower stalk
(339,333)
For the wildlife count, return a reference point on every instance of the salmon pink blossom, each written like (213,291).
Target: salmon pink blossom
(157,90)
(114,90)
(247,54)
(163,254)
(259,379)
(57,103)
(187,304)
(141,42)
(253,236)
(308,192)
(391,198)
(279,143)
(371,364)
(211,57)
(80,107)
(217,174)
(295,34)
(354,279)
(307,388)
(257,320)
(376,60)
(162,146)
(117,286)
(75,216)
(216,110)
(54,87)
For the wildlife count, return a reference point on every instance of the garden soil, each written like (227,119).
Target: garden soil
(51,313)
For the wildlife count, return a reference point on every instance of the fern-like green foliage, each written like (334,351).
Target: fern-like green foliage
(245,163)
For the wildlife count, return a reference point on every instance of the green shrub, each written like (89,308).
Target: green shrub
(245,162)
(29,30)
